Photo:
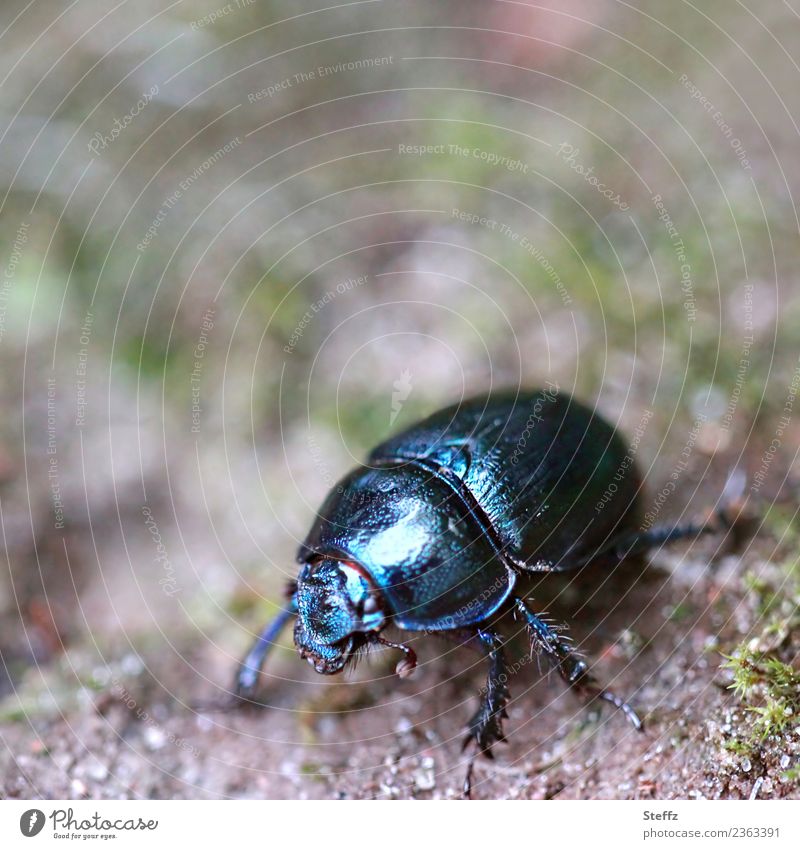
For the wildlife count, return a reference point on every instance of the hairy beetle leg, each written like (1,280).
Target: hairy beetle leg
(244,686)
(486,726)
(570,666)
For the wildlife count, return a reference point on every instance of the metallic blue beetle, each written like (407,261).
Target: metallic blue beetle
(437,530)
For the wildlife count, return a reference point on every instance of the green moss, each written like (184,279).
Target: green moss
(775,717)
(791,775)
(766,684)
(769,687)
(742,748)
(745,677)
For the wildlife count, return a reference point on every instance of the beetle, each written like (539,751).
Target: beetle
(437,530)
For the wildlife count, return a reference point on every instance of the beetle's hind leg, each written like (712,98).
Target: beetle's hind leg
(486,726)
(571,667)
(728,515)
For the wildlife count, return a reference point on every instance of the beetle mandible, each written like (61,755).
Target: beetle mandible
(435,531)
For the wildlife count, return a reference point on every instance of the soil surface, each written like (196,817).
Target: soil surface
(147,726)
(209,317)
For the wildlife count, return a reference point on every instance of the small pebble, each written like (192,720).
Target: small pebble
(154,738)
(404,725)
(101,675)
(78,788)
(424,777)
(97,772)
(203,722)
(132,664)
(62,760)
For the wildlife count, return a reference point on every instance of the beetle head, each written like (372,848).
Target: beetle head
(336,607)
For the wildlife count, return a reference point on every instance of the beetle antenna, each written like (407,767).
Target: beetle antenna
(407,664)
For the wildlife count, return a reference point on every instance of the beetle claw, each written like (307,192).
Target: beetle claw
(629,712)
(466,790)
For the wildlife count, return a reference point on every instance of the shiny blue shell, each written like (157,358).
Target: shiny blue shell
(445,515)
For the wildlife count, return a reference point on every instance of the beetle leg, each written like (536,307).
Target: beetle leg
(247,677)
(657,536)
(639,543)
(728,515)
(486,726)
(571,667)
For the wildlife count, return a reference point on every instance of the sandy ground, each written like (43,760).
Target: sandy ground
(141,729)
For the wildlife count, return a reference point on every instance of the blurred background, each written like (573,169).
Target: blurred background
(244,242)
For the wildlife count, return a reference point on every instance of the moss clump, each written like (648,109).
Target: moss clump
(791,775)
(764,734)
(769,687)
(741,748)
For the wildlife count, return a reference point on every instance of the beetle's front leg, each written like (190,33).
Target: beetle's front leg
(569,664)
(247,676)
(486,726)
